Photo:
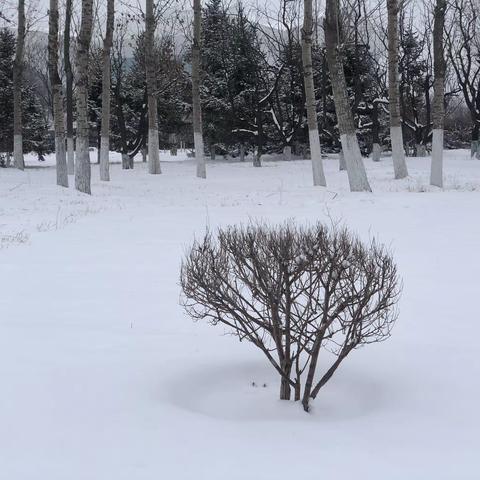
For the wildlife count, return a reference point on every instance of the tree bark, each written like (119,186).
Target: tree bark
(376,147)
(106,83)
(56,86)
(341,160)
(436,174)
(17,89)
(311,104)
(474,147)
(197,107)
(396,135)
(82,167)
(69,88)
(357,175)
(153,146)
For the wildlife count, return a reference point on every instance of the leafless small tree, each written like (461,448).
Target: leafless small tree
(293,292)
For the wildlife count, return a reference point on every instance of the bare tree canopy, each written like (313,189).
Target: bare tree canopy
(293,291)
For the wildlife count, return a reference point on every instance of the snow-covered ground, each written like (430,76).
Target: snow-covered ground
(102,376)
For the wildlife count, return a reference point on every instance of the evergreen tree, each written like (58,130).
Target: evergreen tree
(36,137)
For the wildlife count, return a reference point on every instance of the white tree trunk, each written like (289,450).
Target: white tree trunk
(150,64)
(70,156)
(56,88)
(242,152)
(82,164)
(316,156)
(17,89)
(18,152)
(357,176)
(104,158)
(153,152)
(311,105)
(396,138)
(436,174)
(421,150)
(356,170)
(197,107)
(376,152)
(396,135)
(106,83)
(68,88)
(200,154)
(341,161)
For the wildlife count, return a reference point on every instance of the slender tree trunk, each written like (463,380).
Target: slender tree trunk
(82,167)
(56,86)
(257,156)
(69,88)
(285,389)
(376,147)
(197,107)
(396,135)
(474,148)
(311,104)
(242,152)
(17,89)
(153,146)
(341,160)
(357,175)
(436,174)
(106,82)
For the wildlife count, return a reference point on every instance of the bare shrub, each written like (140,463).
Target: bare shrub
(293,291)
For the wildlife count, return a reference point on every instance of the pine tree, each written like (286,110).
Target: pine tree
(35,125)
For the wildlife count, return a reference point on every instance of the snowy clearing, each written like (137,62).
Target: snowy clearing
(104,377)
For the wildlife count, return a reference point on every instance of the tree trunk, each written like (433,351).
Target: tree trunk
(242,152)
(311,104)
(376,147)
(257,156)
(376,152)
(474,147)
(69,88)
(150,63)
(420,150)
(17,89)
(285,389)
(396,135)
(106,82)
(341,160)
(56,86)
(197,107)
(83,169)
(357,175)
(436,174)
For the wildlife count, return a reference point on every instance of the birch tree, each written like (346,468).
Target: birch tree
(197,108)
(56,87)
(82,167)
(153,146)
(68,87)
(313,135)
(436,174)
(106,82)
(357,175)
(396,135)
(17,89)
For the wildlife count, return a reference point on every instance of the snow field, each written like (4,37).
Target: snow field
(102,376)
